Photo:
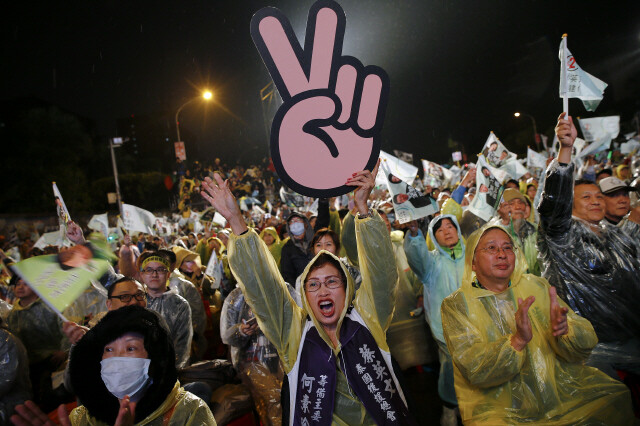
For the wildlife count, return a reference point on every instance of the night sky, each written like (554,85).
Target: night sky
(457,69)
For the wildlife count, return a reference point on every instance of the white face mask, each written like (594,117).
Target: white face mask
(297,228)
(125,376)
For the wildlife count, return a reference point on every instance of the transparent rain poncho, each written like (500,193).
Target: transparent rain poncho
(545,383)
(175,310)
(282,321)
(15,387)
(38,328)
(440,271)
(596,271)
(91,302)
(254,357)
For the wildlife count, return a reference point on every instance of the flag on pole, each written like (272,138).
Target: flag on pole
(576,83)
(495,153)
(99,223)
(435,174)
(137,219)
(408,203)
(535,160)
(488,182)
(600,131)
(405,171)
(214,269)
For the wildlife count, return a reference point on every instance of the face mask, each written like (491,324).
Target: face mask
(125,376)
(297,228)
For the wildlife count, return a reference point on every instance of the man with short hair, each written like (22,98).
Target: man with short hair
(594,265)
(517,348)
(512,214)
(173,308)
(616,199)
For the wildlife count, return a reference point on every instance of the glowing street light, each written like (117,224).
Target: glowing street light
(207,96)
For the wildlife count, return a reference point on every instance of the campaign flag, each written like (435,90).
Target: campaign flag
(632,145)
(137,219)
(219,219)
(600,131)
(214,269)
(576,83)
(403,170)
(435,174)
(408,203)
(61,208)
(456,156)
(404,156)
(488,184)
(59,279)
(495,153)
(51,239)
(99,223)
(514,168)
(535,160)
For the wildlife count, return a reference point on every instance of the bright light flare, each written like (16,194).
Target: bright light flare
(517,114)
(207,95)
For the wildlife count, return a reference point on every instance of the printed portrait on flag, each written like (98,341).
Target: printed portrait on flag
(408,203)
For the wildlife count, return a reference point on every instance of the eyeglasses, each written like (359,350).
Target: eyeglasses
(314,285)
(126,298)
(151,271)
(493,249)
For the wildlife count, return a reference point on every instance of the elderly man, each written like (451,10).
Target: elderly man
(517,348)
(512,214)
(594,265)
(618,205)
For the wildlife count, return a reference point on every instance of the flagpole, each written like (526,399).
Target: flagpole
(565,98)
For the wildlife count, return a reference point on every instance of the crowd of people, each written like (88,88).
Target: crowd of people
(321,305)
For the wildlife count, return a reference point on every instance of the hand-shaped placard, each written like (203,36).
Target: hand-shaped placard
(330,122)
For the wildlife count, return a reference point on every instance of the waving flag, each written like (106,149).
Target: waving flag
(137,219)
(576,83)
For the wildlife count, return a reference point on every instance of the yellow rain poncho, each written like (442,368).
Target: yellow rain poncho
(546,382)
(283,322)
(276,247)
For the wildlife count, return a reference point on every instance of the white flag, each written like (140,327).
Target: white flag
(488,185)
(214,269)
(219,219)
(137,219)
(580,84)
(535,160)
(600,131)
(435,174)
(404,156)
(495,153)
(51,239)
(99,223)
(405,171)
(408,203)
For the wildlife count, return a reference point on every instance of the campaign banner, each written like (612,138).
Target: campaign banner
(99,223)
(61,208)
(408,203)
(488,185)
(495,153)
(435,174)
(214,269)
(403,170)
(59,279)
(136,219)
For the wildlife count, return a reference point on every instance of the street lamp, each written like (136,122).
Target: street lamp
(207,95)
(535,130)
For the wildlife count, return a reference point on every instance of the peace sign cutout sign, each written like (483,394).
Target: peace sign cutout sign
(330,122)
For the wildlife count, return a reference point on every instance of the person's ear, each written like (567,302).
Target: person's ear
(473,264)
(108,302)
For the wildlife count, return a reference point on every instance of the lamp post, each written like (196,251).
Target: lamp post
(206,96)
(533,122)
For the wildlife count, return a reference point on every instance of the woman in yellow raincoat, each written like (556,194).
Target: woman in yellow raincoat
(518,350)
(333,350)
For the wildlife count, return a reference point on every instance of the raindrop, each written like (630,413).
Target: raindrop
(140,27)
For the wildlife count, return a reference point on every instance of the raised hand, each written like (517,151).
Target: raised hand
(558,314)
(523,333)
(74,233)
(218,194)
(567,133)
(365,180)
(330,121)
(29,414)
(126,414)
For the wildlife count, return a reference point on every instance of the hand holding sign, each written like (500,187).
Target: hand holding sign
(330,122)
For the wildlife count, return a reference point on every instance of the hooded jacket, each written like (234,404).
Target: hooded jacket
(440,270)
(276,247)
(546,382)
(286,325)
(164,401)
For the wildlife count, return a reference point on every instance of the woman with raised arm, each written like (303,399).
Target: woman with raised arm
(333,349)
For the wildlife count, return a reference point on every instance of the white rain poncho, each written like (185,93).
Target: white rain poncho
(545,383)
(596,271)
(15,386)
(175,310)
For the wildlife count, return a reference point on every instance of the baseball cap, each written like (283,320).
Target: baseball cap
(511,194)
(612,184)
